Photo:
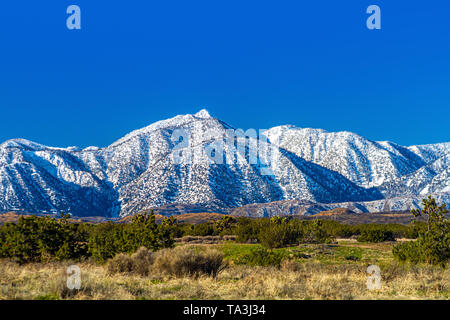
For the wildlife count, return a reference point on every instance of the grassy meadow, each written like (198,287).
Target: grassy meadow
(228,258)
(305,271)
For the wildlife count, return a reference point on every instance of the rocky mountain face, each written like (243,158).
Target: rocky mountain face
(306,208)
(199,161)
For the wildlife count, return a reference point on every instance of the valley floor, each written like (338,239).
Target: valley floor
(315,272)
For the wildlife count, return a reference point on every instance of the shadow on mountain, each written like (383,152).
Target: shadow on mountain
(337,187)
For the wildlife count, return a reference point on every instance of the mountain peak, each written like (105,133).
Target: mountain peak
(139,172)
(22,143)
(204,114)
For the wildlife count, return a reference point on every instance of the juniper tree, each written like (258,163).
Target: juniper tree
(432,246)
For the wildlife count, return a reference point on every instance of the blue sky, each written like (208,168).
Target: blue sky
(253,64)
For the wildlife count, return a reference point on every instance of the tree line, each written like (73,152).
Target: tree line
(40,239)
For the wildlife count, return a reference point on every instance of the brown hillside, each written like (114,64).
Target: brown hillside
(337,211)
(190,218)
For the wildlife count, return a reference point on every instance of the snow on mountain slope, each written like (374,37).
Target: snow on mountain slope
(36,178)
(431,152)
(366,163)
(302,207)
(141,168)
(157,166)
(432,178)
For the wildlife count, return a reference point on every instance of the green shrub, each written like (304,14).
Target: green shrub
(171,226)
(260,256)
(279,232)
(429,248)
(224,225)
(376,235)
(433,245)
(202,229)
(336,229)
(352,257)
(36,239)
(278,235)
(315,232)
(108,239)
(408,251)
(247,229)
(414,230)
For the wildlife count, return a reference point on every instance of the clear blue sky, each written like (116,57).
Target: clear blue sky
(254,64)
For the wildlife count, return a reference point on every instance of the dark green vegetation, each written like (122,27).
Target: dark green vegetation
(108,239)
(260,256)
(433,245)
(376,235)
(37,239)
(41,239)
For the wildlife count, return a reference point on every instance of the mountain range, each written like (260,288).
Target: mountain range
(313,169)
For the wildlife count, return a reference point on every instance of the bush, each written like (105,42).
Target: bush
(279,232)
(279,235)
(139,263)
(108,239)
(121,263)
(407,251)
(142,261)
(202,229)
(428,249)
(260,256)
(337,229)
(315,232)
(224,225)
(376,235)
(247,229)
(433,245)
(36,239)
(189,261)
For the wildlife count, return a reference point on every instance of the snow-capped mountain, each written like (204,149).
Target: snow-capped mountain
(395,170)
(179,161)
(366,163)
(37,178)
(432,178)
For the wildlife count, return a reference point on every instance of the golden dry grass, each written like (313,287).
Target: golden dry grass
(296,280)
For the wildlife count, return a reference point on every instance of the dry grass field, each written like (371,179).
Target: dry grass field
(312,272)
